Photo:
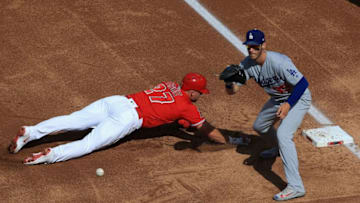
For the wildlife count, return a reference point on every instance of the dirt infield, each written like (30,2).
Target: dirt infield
(58,56)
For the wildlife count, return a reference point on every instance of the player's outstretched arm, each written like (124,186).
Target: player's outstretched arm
(210,132)
(206,129)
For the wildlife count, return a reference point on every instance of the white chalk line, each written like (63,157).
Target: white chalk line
(238,44)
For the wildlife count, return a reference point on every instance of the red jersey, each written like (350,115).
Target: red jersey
(166,103)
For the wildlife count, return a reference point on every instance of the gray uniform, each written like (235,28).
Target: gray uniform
(278,75)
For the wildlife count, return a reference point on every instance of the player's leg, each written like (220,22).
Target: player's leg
(123,120)
(264,122)
(88,117)
(287,149)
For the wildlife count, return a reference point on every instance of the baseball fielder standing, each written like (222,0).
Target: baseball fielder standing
(289,101)
(116,116)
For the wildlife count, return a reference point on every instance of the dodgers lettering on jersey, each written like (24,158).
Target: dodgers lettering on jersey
(166,103)
(278,75)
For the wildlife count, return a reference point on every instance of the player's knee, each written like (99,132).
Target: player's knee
(259,128)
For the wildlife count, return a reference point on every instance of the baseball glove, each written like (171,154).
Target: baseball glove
(233,73)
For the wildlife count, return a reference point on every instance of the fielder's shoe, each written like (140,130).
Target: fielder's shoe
(39,158)
(270,153)
(288,193)
(244,141)
(21,138)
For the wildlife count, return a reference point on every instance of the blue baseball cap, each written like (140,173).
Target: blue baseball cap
(254,37)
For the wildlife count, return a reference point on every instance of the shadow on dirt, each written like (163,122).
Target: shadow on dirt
(262,166)
(144,133)
(190,140)
(356,2)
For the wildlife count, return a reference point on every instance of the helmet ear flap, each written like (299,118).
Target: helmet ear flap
(194,81)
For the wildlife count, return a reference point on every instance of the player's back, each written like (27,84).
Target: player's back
(163,104)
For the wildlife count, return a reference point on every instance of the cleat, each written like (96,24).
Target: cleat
(21,139)
(288,193)
(270,153)
(243,141)
(39,158)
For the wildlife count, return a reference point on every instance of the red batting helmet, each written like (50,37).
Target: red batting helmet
(194,81)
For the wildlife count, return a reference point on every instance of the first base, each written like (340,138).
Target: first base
(327,136)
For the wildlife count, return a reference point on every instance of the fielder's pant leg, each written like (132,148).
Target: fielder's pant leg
(264,122)
(86,118)
(287,147)
(123,120)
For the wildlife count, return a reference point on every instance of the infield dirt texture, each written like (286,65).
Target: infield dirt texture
(58,56)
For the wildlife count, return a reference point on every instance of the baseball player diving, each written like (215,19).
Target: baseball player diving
(289,101)
(114,117)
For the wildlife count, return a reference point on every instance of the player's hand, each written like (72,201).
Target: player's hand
(231,88)
(283,110)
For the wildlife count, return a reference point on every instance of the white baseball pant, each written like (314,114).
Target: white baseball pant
(111,118)
(284,134)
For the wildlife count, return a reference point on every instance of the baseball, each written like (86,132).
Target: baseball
(99,172)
